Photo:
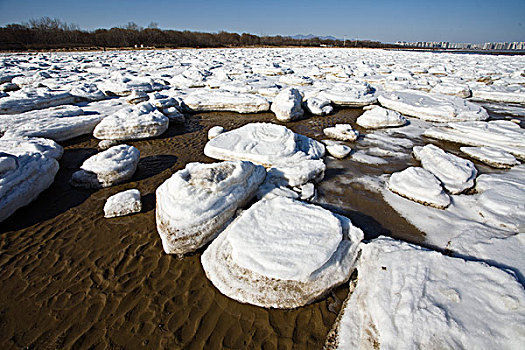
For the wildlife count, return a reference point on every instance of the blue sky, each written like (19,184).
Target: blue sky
(383,20)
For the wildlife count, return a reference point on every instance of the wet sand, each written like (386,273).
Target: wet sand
(72,279)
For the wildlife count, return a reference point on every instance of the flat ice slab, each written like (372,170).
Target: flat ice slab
(57,123)
(282,253)
(28,99)
(110,167)
(419,185)
(499,93)
(379,117)
(264,143)
(355,94)
(408,297)
(130,123)
(500,134)
(123,203)
(455,173)
(228,101)
(493,157)
(195,203)
(432,107)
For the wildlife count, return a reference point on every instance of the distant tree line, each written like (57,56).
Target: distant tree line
(48,33)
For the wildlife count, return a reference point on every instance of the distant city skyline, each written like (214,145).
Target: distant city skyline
(460,21)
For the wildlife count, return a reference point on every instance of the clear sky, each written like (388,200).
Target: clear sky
(384,20)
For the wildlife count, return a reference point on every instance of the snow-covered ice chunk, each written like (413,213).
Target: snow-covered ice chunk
(501,134)
(27,167)
(455,173)
(419,185)
(130,123)
(287,105)
(123,203)
(501,200)
(408,297)
(349,94)
(499,93)
(295,80)
(87,92)
(494,157)
(123,85)
(215,131)
(58,123)
(296,174)
(432,107)
(264,143)
(337,149)
(227,101)
(110,167)
(318,106)
(454,89)
(282,253)
(342,132)
(29,99)
(195,203)
(137,97)
(379,117)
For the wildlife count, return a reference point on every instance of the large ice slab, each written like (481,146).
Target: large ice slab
(130,123)
(500,134)
(28,99)
(57,123)
(27,167)
(419,185)
(264,143)
(491,156)
(379,117)
(110,167)
(455,173)
(432,107)
(282,253)
(287,105)
(356,94)
(342,132)
(220,100)
(408,297)
(498,93)
(195,203)
(122,84)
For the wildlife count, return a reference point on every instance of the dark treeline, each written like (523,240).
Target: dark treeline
(47,33)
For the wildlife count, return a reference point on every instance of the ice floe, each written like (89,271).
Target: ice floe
(282,253)
(501,134)
(432,107)
(218,100)
(130,123)
(123,203)
(28,99)
(27,167)
(455,173)
(419,185)
(342,132)
(318,106)
(196,203)
(110,167)
(378,117)
(287,105)
(408,297)
(58,123)
(491,156)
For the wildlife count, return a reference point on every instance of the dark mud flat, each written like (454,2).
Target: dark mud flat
(72,279)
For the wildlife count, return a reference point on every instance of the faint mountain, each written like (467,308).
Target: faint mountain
(311,36)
